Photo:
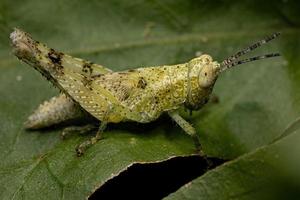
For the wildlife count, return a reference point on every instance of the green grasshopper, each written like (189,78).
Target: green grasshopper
(140,95)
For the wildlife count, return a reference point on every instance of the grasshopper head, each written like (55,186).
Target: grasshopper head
(202,75)
(208,70)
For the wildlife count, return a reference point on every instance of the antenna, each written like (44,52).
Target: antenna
(231,61)
(251,59)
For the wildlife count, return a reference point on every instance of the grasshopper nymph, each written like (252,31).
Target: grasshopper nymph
(140,95)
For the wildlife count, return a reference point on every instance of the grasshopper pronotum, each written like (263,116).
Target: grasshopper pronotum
(140,95)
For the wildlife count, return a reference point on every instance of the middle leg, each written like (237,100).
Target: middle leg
(80,149)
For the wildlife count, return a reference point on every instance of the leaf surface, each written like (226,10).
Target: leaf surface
(257,100)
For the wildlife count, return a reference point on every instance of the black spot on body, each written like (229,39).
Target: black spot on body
(97,75)
(142,83)
(87,67)
(55,59)
(156,100)
(87,82)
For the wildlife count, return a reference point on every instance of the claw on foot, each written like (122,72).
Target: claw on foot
(80,149)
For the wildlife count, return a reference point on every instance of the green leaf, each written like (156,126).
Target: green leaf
(267,173)
(257,100)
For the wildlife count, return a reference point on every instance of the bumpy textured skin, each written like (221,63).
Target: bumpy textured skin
(140,95)
(143,94)
(57,110)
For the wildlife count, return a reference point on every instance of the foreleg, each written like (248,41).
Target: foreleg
(187,127)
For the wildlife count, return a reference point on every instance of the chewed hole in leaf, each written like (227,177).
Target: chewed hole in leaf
(155,180)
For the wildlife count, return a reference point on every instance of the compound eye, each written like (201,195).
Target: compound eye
(206,76)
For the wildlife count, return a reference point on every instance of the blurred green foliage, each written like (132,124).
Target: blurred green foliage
(257,100)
